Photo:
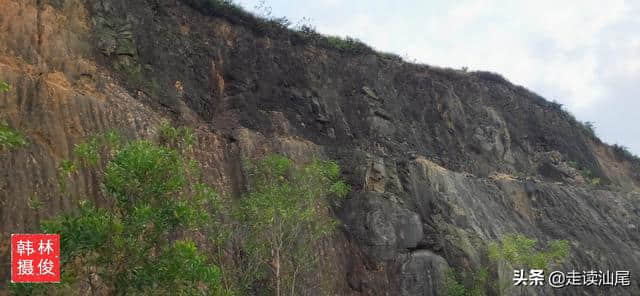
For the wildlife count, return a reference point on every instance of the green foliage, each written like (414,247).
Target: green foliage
(87,231)
(269,25)
(9,138)
(88,151)
(184,264)
(586,174)
(453,283)
(65,169)
(112,139)
(453,286)
(181,138)
(222,8)
(521,252)
(4,86)
(92,151)
(143,171)
(34,202)
(136,247)
(348,44)
(516,250)
(390,56)
(624,153)
(284,212)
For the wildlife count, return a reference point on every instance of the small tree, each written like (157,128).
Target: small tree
(285,211)
(137,247)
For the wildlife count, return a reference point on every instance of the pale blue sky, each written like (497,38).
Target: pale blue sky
(584,54)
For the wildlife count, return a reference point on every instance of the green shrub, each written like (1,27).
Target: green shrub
(348,44)
(453,283)
(4,86)
(89,151)
(65,169)
(587,174)
(9,138)
(181,138)
(223,8)
(138,246)
(521,252)
(624,153)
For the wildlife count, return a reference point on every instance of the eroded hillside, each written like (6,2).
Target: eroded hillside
(440,161)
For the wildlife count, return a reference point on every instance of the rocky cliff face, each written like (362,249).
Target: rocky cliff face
(441,161)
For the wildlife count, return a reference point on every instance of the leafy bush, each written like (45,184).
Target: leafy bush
(140,246)
(9,138)
(65,169)
(348,44)
(223,8)
(515,250)
(624,153)
(521,252)
(181,138)
(587,174)
(269,25)
(4,86)
(453,283)
(390,56)
(137,247)
(88,151)
(490,76)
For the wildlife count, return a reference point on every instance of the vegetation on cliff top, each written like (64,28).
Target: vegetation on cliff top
(306,33)
(279,26)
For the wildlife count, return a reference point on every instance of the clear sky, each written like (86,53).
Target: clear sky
(584,54)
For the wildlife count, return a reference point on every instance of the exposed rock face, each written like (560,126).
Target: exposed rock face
(441,161)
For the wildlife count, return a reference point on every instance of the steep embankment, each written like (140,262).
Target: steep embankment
(441,161)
